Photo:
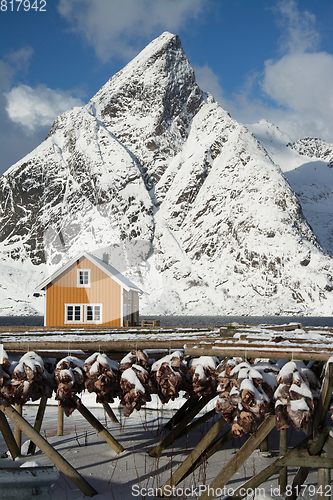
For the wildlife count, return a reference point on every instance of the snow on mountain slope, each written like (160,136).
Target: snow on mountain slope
(307,164)
(187,202)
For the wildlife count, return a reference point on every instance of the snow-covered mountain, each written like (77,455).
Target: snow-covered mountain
(188,203)
(308,166)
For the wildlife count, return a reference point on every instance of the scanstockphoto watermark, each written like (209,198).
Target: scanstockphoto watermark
(194,491)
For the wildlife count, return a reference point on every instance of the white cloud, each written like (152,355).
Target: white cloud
(14,62)
(302,82)
(299,32)
(115,28)
(38,107)
(299,83)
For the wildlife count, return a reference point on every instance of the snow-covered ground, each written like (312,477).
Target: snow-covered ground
(133,473)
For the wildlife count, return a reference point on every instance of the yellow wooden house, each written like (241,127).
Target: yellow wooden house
(89,291)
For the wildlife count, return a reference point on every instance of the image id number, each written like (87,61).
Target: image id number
(26,5)
(311,490)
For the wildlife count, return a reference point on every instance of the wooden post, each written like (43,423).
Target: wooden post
(60,423)
(49,451)
(38,423)
(324,484)
(196,453)
(8,437)
(210,450)
(319,434)
(283,475)
(100,429)
(17,430)
(241,456)
(176,418)
(266,473)
(264,445)
(174,434)
(196,423)
(110,413)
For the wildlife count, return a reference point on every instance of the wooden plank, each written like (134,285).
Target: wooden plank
(283,448)
(325,398)
(239,458)
(265,474)
(250,352)
(176,418)
(211,449)
(174,434)
(302,473)
(38,423)
(60,421)
(49,451)
(196,453)
(104,433)
(324,486)
(17,430)
(302,458)
(8,437)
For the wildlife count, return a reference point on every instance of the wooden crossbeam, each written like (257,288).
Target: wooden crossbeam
(265,474)
(239,458)
(8,437)
(196,453)
(174,434)
(319,434)
(104,433)
(49,451)
(38,422)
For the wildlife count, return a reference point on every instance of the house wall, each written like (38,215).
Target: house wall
(63,290)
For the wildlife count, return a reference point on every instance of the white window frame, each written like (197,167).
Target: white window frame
(84,314)
(84,285)
(69,321)
(94,306)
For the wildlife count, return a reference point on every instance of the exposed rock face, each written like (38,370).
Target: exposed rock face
(185,199)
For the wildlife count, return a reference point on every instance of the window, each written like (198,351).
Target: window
(83,313)
(73,313)
(93,313)
(83,277)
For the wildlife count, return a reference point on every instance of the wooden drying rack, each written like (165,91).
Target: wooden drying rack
(315,451)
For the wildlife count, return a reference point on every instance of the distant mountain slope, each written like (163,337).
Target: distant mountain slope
(308,166)
(190,206)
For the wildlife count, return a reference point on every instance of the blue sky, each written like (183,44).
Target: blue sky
(259,58)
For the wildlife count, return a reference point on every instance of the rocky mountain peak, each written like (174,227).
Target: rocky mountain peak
(187,202)
(149,104)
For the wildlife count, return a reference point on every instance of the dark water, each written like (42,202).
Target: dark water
(249,320)
(194,320)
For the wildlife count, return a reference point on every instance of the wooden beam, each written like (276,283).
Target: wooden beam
(211,449)
(49,451)
(283,448)
(239,458)
(104,433)
(319,434)
(174,434)
(17,430)
(60,421)
(302,458)
(257,352)
(38,423)
(8,437)
(265,474)
(196,453)
(110,413)
(325,398)
(324,486)
(176,418)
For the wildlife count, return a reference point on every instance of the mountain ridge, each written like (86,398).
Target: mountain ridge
(189,204)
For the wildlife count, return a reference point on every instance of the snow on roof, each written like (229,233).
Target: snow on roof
(106,268)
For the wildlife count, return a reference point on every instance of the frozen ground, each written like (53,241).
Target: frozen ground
(134,474)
